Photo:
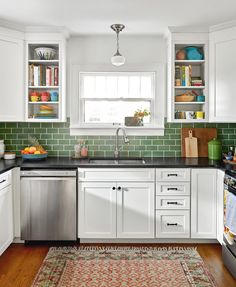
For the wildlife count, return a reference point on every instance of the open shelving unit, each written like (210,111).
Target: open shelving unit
(45,78)
(180,84)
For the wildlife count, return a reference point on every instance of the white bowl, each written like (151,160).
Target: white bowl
(9,155)
(45,53)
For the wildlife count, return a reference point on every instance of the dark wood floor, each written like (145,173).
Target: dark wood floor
(19,264)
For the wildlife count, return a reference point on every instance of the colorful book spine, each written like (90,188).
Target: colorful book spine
(183,76)
(36,75)
(56,76)
(48,76)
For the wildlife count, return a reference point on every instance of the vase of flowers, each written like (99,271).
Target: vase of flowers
(140,114)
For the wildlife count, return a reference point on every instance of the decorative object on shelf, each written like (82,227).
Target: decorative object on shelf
(190,115)
(34,151)
(193,53)
(45,112)
(132,121)
(187,97)
(181,55)
(45,53)
(200,98)
(35,97)
(140,114)
(2,148)
(45,96)
(54,96)
(215,149)
(117,59)
(199,115)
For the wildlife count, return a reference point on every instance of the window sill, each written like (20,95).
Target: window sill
(110,131)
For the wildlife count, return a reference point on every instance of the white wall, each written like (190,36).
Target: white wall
(99,49)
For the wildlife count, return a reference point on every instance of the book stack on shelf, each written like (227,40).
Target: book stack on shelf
(43,75)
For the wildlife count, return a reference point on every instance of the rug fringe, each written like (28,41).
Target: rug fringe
(119,248)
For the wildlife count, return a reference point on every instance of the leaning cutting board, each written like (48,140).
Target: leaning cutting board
(203,135)
(191,147)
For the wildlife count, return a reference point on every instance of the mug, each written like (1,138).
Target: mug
(190,115)
(199,115)
(34,97)
(45,96)
(200,98)
(54,96)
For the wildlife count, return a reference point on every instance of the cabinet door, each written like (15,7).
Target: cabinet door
(203,203)
(222,75)
(97,210)
(220,205)
(6,218)
(11,79)
(135,210)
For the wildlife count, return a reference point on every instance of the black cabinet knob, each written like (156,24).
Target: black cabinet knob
(119,188)
(113,188)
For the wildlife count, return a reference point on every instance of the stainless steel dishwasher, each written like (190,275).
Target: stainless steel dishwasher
(48,204)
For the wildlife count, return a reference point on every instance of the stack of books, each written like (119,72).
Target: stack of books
(42,75)
(183,75)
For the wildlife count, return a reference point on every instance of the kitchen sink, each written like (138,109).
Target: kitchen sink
(112,161)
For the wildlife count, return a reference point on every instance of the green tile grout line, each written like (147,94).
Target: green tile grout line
(56,139)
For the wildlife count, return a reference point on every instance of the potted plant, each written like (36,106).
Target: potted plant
(140,114)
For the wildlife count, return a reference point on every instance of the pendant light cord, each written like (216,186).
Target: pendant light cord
(118,44)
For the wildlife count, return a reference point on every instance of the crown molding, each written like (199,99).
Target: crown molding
(222,26)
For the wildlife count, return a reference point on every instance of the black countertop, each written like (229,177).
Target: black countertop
(69,163)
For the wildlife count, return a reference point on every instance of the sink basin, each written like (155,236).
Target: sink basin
(113,161)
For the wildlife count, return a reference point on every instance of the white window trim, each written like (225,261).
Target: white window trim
(76,128)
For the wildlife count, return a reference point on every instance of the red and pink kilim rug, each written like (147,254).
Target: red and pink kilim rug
(121,267)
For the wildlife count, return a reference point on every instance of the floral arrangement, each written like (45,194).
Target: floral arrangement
(141,113)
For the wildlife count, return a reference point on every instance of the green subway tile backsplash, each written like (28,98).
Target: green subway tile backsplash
(55,137)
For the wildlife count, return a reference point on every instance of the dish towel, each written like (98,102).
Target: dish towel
(230,220)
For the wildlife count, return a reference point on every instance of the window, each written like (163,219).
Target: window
(101,98)
(107,98)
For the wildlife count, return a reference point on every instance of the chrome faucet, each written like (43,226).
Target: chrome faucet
(117,147)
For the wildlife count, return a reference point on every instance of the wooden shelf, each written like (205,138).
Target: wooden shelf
(189,87)
(43,102)
(43,87)
(190,120)
(190,103)
(190,61)
(44,61)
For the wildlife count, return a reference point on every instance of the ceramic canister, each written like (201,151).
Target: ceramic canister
(199,115)
(2,148)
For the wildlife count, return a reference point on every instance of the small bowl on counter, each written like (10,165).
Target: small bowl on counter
(9,155)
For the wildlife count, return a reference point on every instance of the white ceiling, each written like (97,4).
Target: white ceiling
(139,16)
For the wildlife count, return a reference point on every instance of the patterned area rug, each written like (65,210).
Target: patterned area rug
(121,267)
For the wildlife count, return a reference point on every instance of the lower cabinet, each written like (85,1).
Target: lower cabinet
(6,212)
(116,210)
(203,203)
(220,205)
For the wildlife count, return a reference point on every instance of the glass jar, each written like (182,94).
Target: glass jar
(2,148)
(84,150)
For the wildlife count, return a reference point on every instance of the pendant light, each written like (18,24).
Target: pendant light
(117,59)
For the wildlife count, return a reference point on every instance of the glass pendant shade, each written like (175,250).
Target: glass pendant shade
(118,60)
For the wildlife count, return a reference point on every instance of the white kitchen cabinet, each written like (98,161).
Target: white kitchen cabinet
(6,212)
(135,210)
(203,203)
(97,210)
(113,203)
(11,76)
(220,205)
(222,75)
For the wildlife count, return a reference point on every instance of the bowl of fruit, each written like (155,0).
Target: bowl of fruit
(34,151)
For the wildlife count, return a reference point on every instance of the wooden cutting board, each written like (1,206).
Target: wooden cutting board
(191,147)
(203,135)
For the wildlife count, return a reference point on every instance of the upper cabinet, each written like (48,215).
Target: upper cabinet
(222,75)
(188,77)
(45,78)
(11,75)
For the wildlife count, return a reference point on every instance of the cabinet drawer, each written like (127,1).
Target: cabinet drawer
(173,188)
(5,179)
(167,174)
(116,174)
(172,202)
(172,224)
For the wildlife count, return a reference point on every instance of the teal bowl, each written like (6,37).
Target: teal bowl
(34,156)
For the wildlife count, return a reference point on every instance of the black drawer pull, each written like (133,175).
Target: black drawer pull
(113,188)
(172,224)
(119,188)
(3,181)
(172,188)
(172,174)
(172,202)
